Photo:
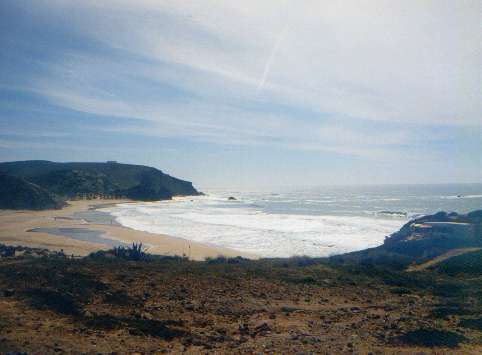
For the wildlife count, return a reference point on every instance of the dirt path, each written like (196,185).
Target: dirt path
(440,258)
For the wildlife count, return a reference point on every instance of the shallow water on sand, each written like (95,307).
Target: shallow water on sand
(84,234)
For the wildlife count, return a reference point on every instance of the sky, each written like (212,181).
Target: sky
(247,94)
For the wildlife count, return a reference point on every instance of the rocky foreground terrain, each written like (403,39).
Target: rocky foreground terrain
(124,301)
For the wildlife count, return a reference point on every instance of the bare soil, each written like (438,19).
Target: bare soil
(52,305)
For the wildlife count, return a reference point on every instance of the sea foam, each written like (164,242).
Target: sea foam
(246,226)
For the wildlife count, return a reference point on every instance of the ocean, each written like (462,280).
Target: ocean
(313,221)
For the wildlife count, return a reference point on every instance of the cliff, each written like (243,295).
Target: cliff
(18,194)
(111,179)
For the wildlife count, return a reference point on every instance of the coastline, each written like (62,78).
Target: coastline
(28,228)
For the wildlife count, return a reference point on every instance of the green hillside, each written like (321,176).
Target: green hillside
(69,180)
(17,194)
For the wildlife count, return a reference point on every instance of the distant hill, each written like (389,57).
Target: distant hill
(17,194)
(423,239)
(69,180)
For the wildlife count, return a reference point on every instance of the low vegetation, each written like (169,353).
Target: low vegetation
(126,300)
(474,323)
(16,193)
(465,264)
(135,252)
(432,338)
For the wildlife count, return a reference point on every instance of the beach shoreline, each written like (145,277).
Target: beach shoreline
(36,228)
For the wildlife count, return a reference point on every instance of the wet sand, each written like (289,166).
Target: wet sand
(79,229)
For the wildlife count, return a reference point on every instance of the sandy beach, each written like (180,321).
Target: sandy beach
(17,228)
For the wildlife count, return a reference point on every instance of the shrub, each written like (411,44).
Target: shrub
(445,311)
(221,259)
(468,263)
(163,329)
(400,291)
(432,338)
(133,252)
(448,289)
(7,251)
(472,323)
(299,279)
(54,300)
(303,261)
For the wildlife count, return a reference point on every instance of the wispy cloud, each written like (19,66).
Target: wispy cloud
(267,66)
(357,79)
(385,61)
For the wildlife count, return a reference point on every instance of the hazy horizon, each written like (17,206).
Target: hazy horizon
(290,187)
(247,95)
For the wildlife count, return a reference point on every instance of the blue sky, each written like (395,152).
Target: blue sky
(247,94)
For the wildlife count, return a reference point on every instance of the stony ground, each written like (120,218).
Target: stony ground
(104,305)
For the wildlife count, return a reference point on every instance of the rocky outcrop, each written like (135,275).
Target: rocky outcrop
(422,239)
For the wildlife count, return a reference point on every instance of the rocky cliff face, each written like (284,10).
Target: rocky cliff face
(424,238)
(69,180)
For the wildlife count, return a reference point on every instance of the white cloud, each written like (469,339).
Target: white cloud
(403,53)
(413,62)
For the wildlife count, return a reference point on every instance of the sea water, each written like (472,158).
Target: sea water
(287,222)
